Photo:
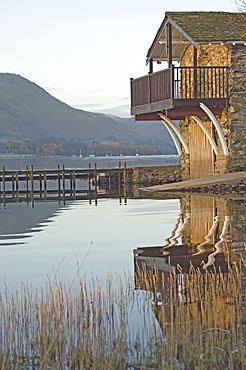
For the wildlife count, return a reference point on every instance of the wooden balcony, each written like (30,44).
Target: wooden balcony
(178,91)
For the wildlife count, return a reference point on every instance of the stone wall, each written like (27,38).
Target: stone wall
(237,110)
(207,55)
(233,118)
(155,175)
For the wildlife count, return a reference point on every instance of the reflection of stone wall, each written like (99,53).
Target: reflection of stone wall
(237,237)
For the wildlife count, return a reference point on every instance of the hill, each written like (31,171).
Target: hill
(27,111)
(155,133)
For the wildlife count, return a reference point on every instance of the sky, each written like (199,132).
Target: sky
(85,52)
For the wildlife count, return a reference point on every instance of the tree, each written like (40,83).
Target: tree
(241,5)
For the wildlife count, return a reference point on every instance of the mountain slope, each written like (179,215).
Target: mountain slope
(27,111)
(154,131)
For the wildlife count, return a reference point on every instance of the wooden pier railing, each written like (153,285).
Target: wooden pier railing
(62,183)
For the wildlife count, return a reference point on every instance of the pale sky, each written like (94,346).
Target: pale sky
(84,52)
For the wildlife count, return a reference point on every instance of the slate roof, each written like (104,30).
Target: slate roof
(197,28)
(211,26)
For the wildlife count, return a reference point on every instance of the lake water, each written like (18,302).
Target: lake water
(114,236)
(36,241)
(50,236)
(12,162)
(148,237)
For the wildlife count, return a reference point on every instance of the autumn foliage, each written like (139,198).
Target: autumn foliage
(75,147)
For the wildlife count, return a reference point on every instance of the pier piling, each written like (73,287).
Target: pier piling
(62,183)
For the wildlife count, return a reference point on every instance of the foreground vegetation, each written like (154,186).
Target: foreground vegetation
(179,321)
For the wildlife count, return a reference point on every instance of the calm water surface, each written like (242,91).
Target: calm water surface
(111,237)
(207,232)
(12,162)
(34,242)
(115,237)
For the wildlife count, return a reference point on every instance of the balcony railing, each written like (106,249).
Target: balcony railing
(180,83)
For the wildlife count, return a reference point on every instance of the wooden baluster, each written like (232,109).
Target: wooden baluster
(194,73)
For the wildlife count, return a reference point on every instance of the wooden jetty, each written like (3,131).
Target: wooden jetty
(62,183)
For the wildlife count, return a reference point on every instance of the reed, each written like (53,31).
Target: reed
(154,321)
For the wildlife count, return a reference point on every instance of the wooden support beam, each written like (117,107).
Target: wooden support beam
(194,72)
(27,182)
(151,66)
(169,45)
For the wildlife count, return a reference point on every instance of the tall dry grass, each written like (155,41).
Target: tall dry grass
(175,321)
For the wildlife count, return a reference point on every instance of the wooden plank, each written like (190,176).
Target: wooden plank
(194,72)
(202,218)
(169,44)
(152,107)
(181,108)
(201,152)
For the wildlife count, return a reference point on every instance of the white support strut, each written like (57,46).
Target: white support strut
(217,246)
(207,133)
(174,137)
(176,130)
(208,238)
(217,127)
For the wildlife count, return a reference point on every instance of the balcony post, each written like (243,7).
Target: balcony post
(149,80)
(169,45)
(172,82)
(151,66)
(149,89)
(131,92)
(194,72)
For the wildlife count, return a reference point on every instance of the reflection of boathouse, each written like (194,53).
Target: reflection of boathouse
(198,239)
(203,87)
(196,265)
(210,234)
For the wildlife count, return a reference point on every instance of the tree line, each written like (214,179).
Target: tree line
(75,147)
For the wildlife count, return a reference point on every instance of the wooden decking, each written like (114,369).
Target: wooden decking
(230,178)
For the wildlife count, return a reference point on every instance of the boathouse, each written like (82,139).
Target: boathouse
(202,86)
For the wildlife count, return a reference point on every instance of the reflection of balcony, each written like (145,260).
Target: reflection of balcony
(180,90)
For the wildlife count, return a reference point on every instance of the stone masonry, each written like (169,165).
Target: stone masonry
(233,118)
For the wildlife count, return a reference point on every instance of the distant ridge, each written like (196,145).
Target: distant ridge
(27,111)
(154,132)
